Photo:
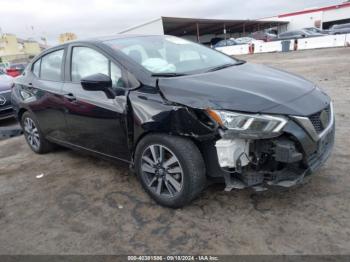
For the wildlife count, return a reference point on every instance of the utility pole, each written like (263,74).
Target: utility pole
(197,25)
(225,31)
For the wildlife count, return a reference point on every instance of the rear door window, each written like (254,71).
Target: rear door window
(51,66)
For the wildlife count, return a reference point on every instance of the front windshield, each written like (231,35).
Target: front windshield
(169,54)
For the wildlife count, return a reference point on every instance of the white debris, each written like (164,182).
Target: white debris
(40,176)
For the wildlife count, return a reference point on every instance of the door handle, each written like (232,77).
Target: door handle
(70,97)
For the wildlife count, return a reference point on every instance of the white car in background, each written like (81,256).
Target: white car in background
(247,40)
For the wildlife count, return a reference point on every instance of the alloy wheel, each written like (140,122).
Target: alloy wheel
(162,170)
(31,133)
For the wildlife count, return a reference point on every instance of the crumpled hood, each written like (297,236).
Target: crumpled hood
(248,88)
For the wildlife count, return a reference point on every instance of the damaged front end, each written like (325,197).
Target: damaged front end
(260,162)
(272,128)
(243,149)
(270,151)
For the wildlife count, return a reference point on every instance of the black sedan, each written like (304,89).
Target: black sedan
(179,113)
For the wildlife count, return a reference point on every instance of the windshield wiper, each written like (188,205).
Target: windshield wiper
(239,62)
(167,74)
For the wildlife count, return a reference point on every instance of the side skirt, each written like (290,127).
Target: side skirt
(87,150)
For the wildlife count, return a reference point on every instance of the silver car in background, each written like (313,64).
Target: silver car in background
(340,29)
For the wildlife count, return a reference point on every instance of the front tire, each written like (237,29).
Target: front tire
(34,136)
(171,169)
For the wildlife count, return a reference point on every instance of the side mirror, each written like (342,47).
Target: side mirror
(98,82)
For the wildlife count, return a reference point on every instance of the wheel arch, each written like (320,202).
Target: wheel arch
(147,133)
(20,113)
(206,149)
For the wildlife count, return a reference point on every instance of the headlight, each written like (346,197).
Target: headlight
(249,124)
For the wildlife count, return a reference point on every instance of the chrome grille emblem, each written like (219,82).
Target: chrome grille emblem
(2,100)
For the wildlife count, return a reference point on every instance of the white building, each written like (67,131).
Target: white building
(322,18)
(205,30)
(202,30)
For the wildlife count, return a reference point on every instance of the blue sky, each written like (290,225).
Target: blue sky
(87,18)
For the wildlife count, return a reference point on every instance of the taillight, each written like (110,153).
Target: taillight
(12,72)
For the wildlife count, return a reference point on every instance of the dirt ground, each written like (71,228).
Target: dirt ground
(68,203)
(9,128)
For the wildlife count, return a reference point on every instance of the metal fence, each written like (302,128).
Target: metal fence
(295,44)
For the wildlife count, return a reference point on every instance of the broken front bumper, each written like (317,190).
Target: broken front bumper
(292,157)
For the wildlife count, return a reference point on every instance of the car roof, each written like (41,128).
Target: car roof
(292,32)
(341,25)
(117,36)
(18,64)
(243,37)
(94,40)
(99,39)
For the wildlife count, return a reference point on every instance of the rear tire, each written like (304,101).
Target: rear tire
(34,136)
(171,169)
